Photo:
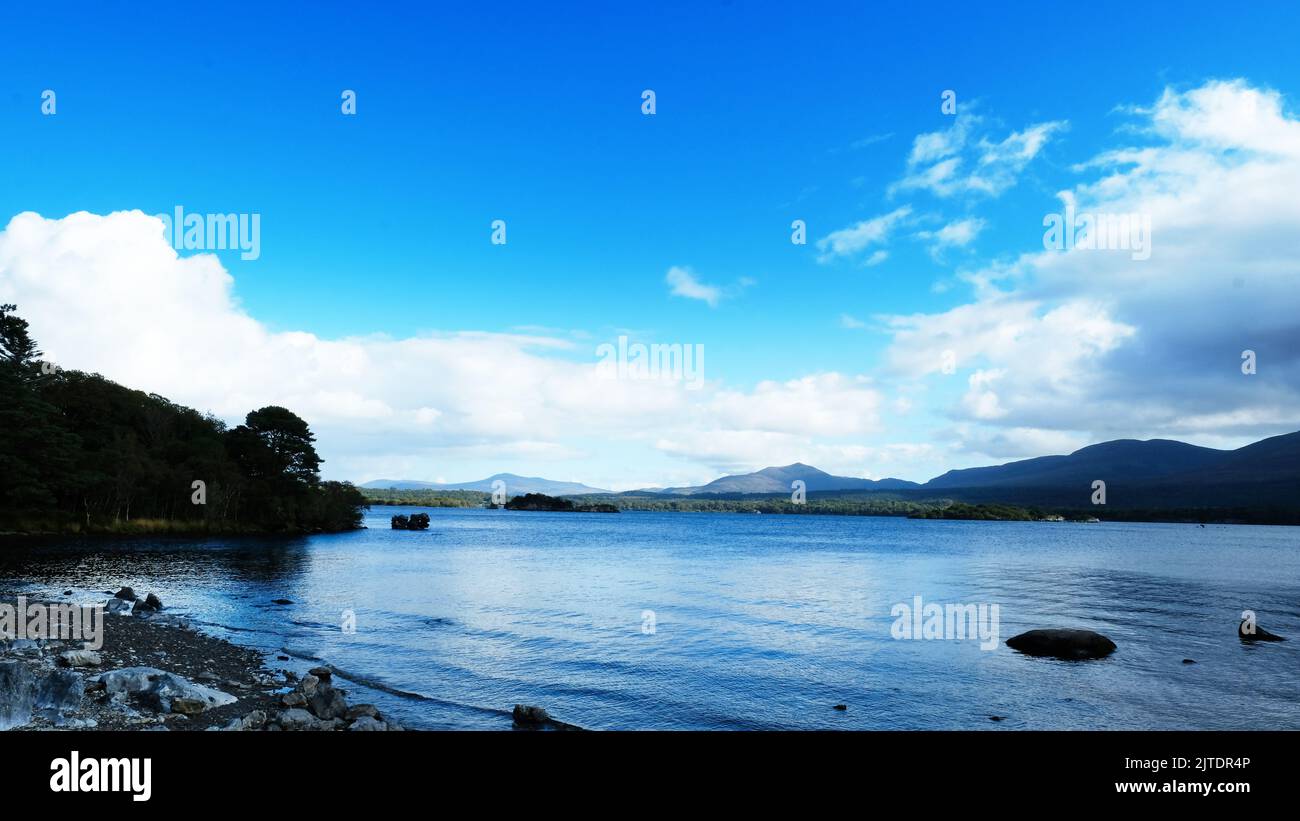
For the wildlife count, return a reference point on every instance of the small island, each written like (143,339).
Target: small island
(540,501)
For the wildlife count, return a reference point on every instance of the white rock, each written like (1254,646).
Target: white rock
(165,685)
(80,658)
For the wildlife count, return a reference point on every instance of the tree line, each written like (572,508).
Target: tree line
(79,452)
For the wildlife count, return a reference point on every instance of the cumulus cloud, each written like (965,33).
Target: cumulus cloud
(828,404)
(1096,342)
(111,296)
(1017,443)
(819,419)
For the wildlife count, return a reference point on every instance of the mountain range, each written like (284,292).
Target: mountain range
(779,479)
(514,485)
(1137,473)
(1151,473)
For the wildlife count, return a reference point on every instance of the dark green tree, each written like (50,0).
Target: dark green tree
(274,441)
(18,350)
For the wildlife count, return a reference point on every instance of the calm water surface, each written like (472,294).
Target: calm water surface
(761,622)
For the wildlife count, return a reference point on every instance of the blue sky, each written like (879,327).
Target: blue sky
(378,223)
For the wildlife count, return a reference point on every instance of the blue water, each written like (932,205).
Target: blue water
(759,622)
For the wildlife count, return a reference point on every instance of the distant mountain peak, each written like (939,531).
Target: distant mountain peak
(778,479)
(515,485)
(798,467)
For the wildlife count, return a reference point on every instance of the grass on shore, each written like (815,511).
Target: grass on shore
(57,526)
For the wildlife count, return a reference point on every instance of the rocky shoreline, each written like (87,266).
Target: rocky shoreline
(154,671)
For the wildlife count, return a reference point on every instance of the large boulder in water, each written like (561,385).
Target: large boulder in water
(530,716)
(1063,644)
(416,521)
(1248,631)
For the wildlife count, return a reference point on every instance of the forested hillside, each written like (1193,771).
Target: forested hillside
(79,452)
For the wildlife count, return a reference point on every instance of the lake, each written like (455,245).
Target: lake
(644,620)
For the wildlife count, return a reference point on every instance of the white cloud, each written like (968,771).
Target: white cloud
(867,142)
(956,234)
(1096,344)
(951,162)
(861,236)
(746,451)
(684,284)
(827,404)
(936,145)
(1228,116)
(1019,443)
(111,296)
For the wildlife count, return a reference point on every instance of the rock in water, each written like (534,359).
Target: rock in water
(147,606)
(362,710)
(328,703)
(126,594)
(529,715)
(1060,643)
(416,521)
(309,685)
(1249,631)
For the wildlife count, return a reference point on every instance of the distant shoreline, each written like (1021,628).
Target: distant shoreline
(955,511)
